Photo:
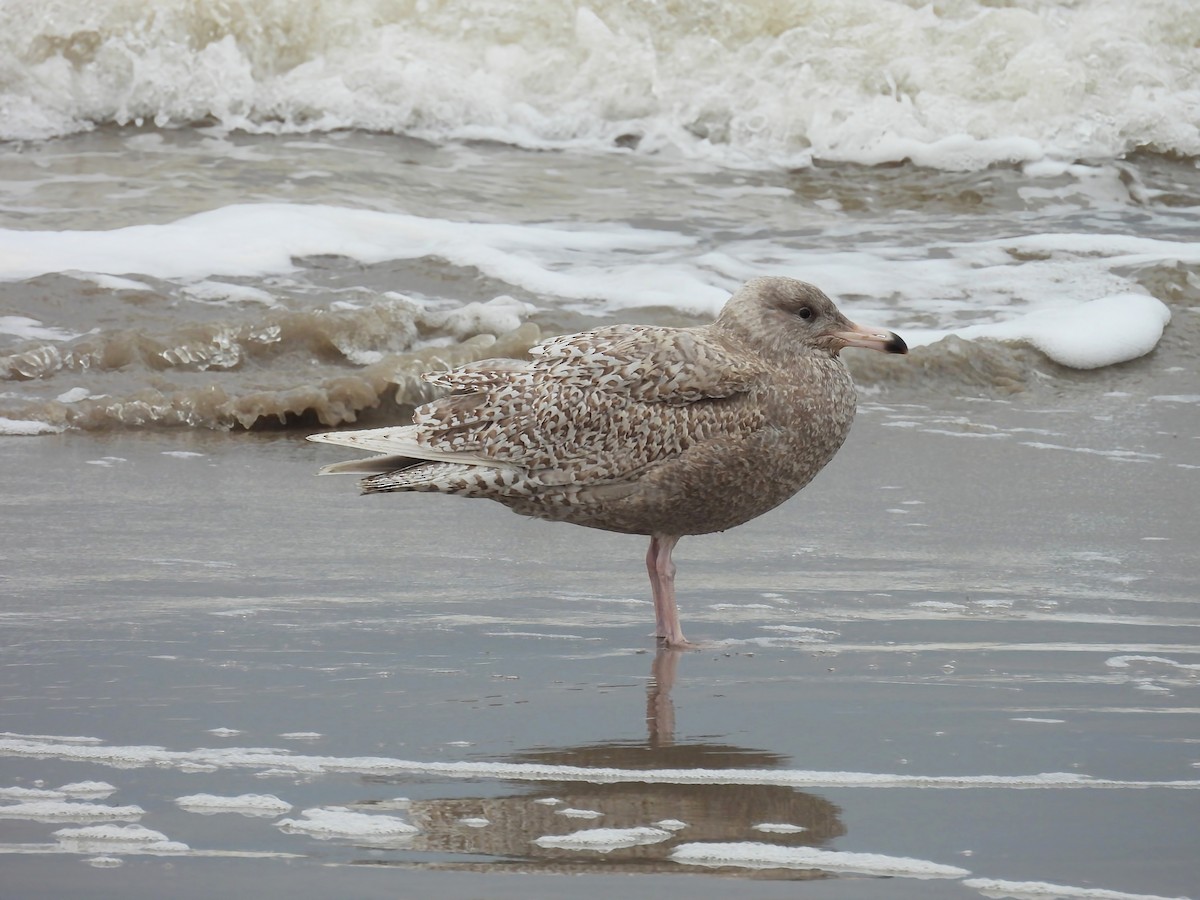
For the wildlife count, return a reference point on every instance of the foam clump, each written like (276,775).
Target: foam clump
(244,804)
(779,828)
(104,862)
(604,840)
(1041,890)
(87,789)
(58,810)
(1089,335)
(1123,662)
(27,427)
(24,793)
(572,813)
(671,824)
(753,855)
(28,329)
(117,838)
(334,822)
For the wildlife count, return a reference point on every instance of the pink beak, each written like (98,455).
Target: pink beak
(871,339)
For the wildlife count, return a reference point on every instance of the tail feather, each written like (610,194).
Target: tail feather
(394,441)
(424,476)
(372,465)
(398,444)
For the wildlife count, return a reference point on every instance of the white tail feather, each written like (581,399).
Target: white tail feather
(398,441)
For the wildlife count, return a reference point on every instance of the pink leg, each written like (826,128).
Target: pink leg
(662,583)
(655,586)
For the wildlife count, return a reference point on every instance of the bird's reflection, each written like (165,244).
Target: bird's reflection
(707,811)
(660,709)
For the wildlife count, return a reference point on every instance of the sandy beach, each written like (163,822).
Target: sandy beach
(952,652)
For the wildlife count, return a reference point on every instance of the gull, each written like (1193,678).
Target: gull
(639,429)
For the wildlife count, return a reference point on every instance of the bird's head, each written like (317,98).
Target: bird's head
(795,317)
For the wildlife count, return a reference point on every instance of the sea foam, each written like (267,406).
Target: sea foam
(1088,335)
(261,805)
(754,855)
(959,85)
(1081,312)
(284,761)
(604,840)
(1040,890)
(339,823)
(119,839)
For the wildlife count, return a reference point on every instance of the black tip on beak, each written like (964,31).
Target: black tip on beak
(896,344)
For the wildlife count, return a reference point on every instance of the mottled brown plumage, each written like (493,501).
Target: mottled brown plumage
(638,429)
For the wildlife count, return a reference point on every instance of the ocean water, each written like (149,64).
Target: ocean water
(246,214)
(962,664)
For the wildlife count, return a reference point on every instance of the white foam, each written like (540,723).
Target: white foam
(536,634)
(778,828)
(670,824)
(1041,890)
(183,454)
(109,845)
(111,282)
(572,813)
(284,761)
(963,86)
(1177,398)
(337,822)
(32,330)
(88,789)
(812,634)
(475,822)
(105,862)
(1120,455)
(1122,662)
(23,793)
(753,855)
(265,238)
(222,293)
(243,804)
(69,810)
(117,838)
(497,316)
(56,738)
(604,840)
(27,427)
(105,461)
(1084,308)
(1088,335)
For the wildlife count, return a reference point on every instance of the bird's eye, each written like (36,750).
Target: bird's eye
(805,313)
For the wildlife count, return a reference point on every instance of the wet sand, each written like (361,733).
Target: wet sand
(962,603)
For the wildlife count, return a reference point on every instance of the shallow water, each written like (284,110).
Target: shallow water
(1004,686)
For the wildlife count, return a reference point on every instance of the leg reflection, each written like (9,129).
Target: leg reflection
(660,711)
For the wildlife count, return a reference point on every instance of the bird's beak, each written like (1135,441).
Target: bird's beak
(871,339)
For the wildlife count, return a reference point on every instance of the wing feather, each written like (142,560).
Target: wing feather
(599,407)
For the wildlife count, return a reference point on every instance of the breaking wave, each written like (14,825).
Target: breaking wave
(330,367)
(955,86)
